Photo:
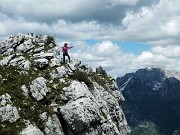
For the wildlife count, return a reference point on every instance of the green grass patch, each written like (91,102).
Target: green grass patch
(82,77)
(1,56)
(101,80)
(11,81)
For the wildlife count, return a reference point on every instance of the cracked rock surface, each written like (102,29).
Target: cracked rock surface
(40,96)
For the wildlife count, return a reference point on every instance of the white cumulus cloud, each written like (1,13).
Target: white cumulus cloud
(152,22)
(117,63)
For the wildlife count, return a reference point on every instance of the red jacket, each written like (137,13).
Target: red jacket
(65,49)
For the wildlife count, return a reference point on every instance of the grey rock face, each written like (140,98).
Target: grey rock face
(100,70)
(41,63)
(95,110)
(31,130)
(55,99)
(53,125)
(25,50)
(38,88)
(7,111)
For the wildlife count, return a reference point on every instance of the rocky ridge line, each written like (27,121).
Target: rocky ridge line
(42,97)
(152,94)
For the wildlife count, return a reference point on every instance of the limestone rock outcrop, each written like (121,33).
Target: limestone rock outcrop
(40,96)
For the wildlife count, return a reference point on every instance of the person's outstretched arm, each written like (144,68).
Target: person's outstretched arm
(69,47)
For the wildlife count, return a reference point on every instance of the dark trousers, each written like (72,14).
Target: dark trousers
(65,54)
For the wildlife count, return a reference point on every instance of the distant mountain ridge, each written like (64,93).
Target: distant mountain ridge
(152,94)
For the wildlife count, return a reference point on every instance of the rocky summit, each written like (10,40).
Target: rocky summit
(152,94)
(39,96)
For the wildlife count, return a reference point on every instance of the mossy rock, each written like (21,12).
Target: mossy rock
(82,77)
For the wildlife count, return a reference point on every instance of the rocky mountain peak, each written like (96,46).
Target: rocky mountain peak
(154,77)
(155,72)
(40,96)
(152,94)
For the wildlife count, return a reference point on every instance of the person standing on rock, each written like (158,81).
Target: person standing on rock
(65,51)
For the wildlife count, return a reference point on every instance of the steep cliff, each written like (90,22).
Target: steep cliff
(40,96)
(152,94)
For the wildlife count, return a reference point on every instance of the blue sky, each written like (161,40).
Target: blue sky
(120,35)
(133,47)
(126,46)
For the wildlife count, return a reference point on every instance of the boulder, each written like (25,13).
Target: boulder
(7,111)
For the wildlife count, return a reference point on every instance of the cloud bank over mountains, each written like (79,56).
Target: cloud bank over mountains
(117,63)
(152,22)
